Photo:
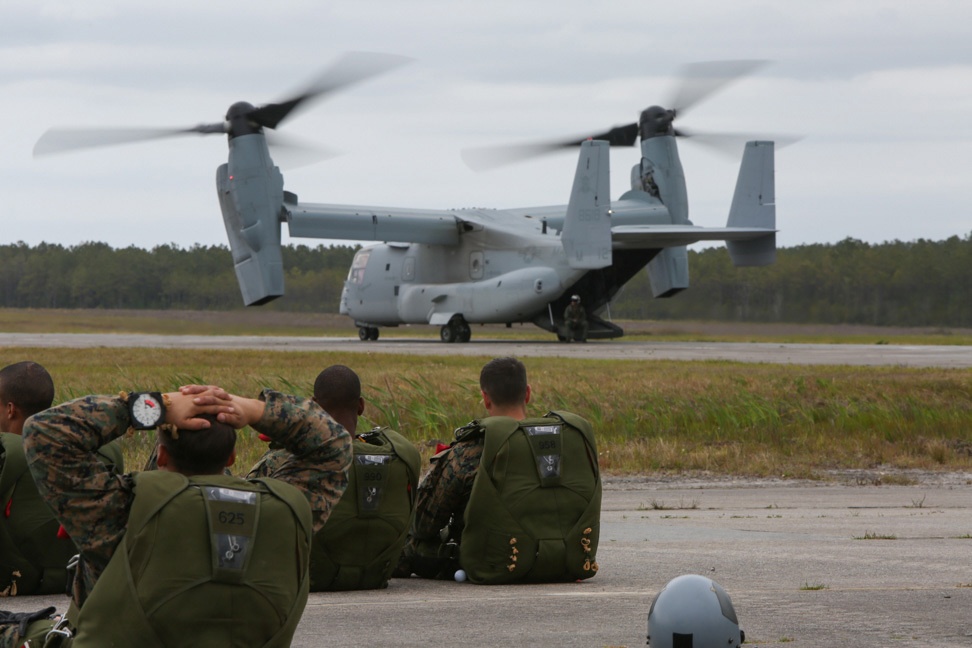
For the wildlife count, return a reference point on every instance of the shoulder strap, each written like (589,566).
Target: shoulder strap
(497,430)
(156,488)
(14,463)
(584,427)
(293,497)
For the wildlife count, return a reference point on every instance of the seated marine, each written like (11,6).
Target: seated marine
(186,555)
(359,546)
(512,498)
(34,550)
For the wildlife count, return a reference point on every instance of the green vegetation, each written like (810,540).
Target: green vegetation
(920,283)
(870,535)
(650,417)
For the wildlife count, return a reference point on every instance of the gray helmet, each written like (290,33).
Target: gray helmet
(693,612)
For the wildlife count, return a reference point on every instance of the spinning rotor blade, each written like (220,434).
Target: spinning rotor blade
(732,144)
(290,153)
(350,69)
(61,140)
(700,80)
(490,157)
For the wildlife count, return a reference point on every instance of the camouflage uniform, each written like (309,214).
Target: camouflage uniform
(441,502)
(93,504)
(268,463)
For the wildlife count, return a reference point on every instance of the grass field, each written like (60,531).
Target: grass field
(657,418)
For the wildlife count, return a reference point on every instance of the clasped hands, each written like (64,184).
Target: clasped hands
(183,407)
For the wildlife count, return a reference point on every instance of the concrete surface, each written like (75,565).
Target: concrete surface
(806,565)
(827,354)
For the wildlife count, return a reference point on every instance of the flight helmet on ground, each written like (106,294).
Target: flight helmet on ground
(693,612)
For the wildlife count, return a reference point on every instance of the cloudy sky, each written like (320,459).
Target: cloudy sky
(880,91)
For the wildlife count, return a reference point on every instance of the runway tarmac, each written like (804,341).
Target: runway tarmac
(807,565)
(817,354)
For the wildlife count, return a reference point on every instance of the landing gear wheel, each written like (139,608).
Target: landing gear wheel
(464,332)
(367,333)
(447,333)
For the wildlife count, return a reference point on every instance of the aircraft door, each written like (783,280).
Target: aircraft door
(476,263)
(408,269)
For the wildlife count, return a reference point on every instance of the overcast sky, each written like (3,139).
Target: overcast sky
(881,92)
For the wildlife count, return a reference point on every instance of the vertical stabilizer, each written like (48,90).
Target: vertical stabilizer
(754,205)
(586,236)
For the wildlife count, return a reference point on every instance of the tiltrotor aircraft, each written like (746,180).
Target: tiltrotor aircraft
(454,268)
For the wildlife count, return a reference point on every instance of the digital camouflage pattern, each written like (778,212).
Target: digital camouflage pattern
(442,497)
(93,504)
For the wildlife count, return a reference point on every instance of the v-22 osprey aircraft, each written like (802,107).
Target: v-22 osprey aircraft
(455,268)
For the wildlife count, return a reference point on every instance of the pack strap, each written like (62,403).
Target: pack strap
(14,463)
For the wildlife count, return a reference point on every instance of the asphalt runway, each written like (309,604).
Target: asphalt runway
(807,565)
(815,354)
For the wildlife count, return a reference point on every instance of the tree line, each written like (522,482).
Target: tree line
(918,283)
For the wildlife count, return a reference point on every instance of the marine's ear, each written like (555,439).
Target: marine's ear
(232,459)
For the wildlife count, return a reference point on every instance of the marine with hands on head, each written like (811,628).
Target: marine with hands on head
(188,554)
(359,547)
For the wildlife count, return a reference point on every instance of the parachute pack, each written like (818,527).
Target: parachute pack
(33,554)
(534,512)
(232,552)
(359,546)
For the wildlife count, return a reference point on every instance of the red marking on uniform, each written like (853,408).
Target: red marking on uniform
(61,533)
(6,511)
(264,438)
(439,447)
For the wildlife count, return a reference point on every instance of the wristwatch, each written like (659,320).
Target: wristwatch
(146,410)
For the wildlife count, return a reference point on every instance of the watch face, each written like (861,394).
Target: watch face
(146,410)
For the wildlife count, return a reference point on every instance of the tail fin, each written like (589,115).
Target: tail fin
(586,236)
(754,205)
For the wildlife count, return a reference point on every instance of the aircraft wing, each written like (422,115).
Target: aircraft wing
(361,223)
(635,237)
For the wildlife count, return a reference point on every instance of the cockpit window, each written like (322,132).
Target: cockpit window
(356,275)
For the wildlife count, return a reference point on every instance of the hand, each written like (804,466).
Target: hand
(214,390)
(184,406)
(241,411)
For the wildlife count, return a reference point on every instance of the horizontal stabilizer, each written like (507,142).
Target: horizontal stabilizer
(636,237)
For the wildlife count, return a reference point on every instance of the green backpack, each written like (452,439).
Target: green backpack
(208,561)
(359,546)
(33,556)
(534,512)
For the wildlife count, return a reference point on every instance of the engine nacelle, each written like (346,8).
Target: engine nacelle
(668,272)
(250,191)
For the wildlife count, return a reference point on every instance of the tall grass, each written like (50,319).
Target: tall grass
(719,417)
